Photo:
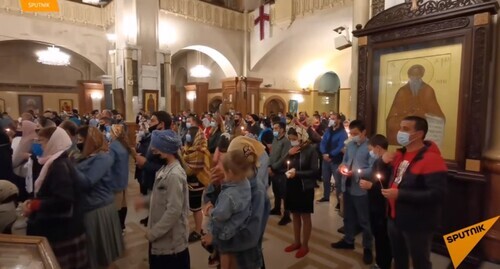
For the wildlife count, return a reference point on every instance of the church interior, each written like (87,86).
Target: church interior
(264,57)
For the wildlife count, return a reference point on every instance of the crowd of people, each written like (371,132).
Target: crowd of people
(69,176)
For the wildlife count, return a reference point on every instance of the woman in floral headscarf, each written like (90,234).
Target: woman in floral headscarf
(302,169)
(197,162)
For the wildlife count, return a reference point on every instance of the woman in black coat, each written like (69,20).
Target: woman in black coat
(302,168)
(54,212)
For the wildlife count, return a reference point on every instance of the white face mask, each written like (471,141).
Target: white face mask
(295,143)
(262,126)
(332,123)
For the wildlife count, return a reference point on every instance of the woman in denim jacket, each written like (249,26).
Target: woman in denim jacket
(168,206)
(233,208)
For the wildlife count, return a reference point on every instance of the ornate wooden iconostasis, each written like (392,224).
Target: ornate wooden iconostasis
(241,94)
(434,61)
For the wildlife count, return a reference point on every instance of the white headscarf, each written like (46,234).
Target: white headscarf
(29,134)
(58,143)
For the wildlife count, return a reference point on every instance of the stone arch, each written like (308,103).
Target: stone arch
(219,58)
(275,102)
(328,82)
(214,103)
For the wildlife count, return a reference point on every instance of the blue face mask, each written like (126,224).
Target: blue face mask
(189,139)
(188,125)
(108,136)
(373,155)
(276,134)
(356,139)
(403,138)
(108,128)
(37,149)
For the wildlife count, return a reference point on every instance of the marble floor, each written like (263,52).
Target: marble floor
(325,219)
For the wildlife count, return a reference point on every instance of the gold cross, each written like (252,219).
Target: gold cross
(414,6)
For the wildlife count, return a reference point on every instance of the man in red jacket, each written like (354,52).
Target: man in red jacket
(415,194)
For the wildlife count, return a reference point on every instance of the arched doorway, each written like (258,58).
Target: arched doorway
(274,104)
(214,104)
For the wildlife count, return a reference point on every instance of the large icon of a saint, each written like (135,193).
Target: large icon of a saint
(151,104)
(415,98)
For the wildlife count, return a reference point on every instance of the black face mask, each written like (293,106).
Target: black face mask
(152,128)
(79,146)
(102,128)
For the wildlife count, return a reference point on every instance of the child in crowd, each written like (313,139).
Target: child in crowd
(232,209)
(212,193)
(381,174)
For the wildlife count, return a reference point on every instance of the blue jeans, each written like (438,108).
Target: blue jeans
(328,170)
(357,213)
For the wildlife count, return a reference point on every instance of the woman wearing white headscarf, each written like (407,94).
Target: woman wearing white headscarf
(23,149)
(302,170)
(54,212)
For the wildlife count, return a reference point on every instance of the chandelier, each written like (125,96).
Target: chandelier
(53,56)
(92,2)
(200,71)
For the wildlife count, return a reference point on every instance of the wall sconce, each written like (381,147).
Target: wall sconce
(96,96)
(191,95)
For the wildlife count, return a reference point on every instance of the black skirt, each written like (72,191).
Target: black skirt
(297,200)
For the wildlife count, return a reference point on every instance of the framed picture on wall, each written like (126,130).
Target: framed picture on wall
(65,105)
(419,80)
(150,100)
(293,107)
(30,102)
(2,105)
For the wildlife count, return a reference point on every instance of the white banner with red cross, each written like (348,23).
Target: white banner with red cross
(262,22)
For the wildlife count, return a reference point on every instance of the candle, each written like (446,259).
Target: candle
(379,178)
(287,165)
(359,173)
(345,170)
(242,128)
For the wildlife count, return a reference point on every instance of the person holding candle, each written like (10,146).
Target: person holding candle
(357,164)
(277,162)
(379,180)
(415,194)
(299,199)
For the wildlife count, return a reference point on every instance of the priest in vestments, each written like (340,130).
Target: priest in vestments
(416,98)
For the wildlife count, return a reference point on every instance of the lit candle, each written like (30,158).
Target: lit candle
(345,170)
(359,172)
(287,165)
(242,128)
(379,178)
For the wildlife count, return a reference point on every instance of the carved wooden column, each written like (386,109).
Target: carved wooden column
(361,10)
(491,162)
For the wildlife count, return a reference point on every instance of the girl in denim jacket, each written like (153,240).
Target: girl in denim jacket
(233,206)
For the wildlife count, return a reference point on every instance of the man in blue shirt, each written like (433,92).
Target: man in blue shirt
(356,165)
(331,147)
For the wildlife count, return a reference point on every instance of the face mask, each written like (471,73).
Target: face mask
(37,149)
(331,123)
(188,125)
(373,155)
(237,122)
(108,136)
(294,143)
(403,138)
(152,128)
(288,121)
(356,139)
(102,128)
(108,128)
(276,133)
(213,124)
(79,146)
(262,126)
(189,139)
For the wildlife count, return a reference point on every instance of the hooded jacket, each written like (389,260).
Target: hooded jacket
(421,190)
